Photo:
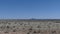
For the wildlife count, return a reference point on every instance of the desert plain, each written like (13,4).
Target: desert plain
(30,26)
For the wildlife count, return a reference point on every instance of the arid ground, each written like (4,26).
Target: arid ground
(20,26)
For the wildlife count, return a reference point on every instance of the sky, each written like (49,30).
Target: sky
(26,9)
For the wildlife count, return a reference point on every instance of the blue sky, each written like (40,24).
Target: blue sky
(21,9)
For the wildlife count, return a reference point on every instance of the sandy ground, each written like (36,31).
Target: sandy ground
(29,27)
(32,32)
(13,33)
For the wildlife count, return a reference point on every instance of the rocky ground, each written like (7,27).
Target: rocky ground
(29,27)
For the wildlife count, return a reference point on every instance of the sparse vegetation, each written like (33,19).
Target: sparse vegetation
(31,27)
(14,30)
(8,27)
(6,32)
(28,33)
(34,32)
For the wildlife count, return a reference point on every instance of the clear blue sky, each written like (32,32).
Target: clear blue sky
(40,9)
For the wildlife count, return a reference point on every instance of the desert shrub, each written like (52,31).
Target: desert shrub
(34,32)
(38,26)
(6,32)
(28,33)
(21,23)
(14,30)
(9,23)
(38,31)
(31,28)
(8,27)
(53,31)
(23,28)
(13,26)
(1,27)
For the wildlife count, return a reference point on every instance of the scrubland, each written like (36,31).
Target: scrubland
(29,27)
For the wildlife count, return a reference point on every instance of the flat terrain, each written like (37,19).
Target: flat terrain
(28,26)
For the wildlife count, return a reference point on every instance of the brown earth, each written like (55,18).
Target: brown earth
(33,32)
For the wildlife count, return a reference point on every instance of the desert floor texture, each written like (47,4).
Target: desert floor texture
(30,26)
